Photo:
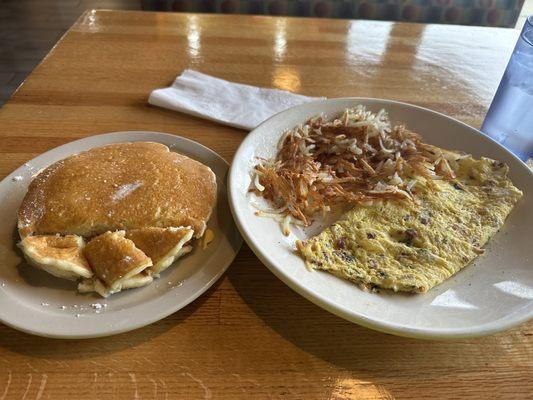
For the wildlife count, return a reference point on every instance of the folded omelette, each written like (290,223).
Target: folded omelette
(412,246)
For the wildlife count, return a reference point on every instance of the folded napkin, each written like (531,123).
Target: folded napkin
(233,104)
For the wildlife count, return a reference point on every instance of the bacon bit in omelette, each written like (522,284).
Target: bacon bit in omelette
(355,158)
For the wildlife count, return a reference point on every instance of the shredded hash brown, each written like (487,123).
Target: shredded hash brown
(354,158)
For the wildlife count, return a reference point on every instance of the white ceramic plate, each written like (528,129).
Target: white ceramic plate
(493,294)
(36,302)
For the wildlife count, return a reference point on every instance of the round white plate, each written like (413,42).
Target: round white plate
(493,294)
(36,302)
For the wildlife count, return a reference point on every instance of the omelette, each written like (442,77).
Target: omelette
(412,245)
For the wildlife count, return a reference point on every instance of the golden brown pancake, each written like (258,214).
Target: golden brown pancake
(61,256)
(161,198)
(119,186)
(114,259)
(125,260)
(162,245)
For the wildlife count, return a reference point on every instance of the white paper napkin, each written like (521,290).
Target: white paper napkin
(233,104)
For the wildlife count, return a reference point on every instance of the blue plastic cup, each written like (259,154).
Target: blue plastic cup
(510,117)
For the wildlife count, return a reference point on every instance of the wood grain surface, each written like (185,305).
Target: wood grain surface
(251,337)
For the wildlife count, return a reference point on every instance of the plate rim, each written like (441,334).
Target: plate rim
(339,310)
(167,311)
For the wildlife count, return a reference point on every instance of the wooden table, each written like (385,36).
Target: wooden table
(250,336)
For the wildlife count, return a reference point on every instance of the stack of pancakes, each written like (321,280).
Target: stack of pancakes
(115,217)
